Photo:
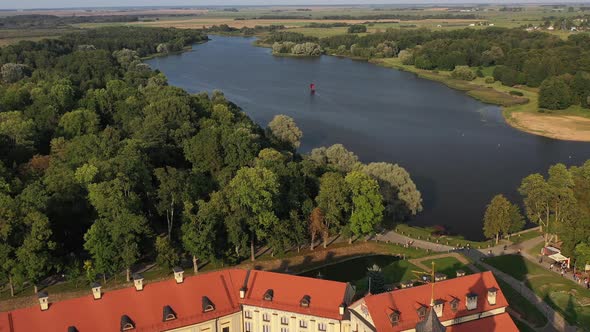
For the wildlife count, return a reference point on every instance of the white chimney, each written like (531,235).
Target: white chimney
(492,295)
(243,292)
(438,307)
(96,293)
(471,302)
(460,273)
(178,274)
(138,281)
(341,309)
(43,300)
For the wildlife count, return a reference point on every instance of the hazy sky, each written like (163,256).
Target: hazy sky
(25,4)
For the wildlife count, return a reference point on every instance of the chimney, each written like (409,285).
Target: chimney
(43,300)
(460,273)
(471,302)
(438,307)
(96,293)
(243,292)
(492,295)
(341,309)
(178,274)
(138,281)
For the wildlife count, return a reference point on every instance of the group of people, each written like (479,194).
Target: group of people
(577,277)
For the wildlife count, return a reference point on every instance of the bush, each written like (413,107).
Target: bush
(406,57)
(479,73)
(423,62)
(357,28)
(463,73)
(516,93)
(490,80)
(554,94)
(307,49)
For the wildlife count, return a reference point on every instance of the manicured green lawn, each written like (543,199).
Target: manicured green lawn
(394,273)
(447,265)
(563,295)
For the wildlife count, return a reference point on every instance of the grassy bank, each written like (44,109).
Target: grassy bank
(562,294)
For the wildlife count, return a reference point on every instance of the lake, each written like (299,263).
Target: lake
(459,151)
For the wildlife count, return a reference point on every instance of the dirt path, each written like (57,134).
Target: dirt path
(564,127)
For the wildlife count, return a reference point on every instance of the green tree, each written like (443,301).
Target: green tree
(285,129)
(399,192)
(376,280)
(554,94)
(582,253)
(79,122)
(367,203)
(173,189)
(317,226)
(166,254)
(537,196)
(334,200)
(35,252)
(199,230)
(252,192)
(497,218)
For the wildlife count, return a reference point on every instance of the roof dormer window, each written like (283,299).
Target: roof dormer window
(455,304)
(126,323)
(268,295)
(421,311)
(207,305)
(168,314)
(305,301)
(394,318)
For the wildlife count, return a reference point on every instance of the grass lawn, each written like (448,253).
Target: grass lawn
(525,237)
(394,273)
(447,265)
(526,309)
(563,295)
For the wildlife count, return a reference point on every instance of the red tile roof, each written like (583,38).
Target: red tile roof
(501,322)
(145,307)
(408,300)
(288,290)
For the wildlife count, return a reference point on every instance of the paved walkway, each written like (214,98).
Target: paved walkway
(556,322)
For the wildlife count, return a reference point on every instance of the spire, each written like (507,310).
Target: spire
(431,323)
(432,282)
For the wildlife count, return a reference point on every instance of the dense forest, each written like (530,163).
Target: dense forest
(560,68)
(103,165)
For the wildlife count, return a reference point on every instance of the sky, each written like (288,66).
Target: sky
(27,4)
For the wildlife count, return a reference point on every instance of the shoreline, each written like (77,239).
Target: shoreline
(519,112)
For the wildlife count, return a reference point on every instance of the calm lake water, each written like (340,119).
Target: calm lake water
(459,151)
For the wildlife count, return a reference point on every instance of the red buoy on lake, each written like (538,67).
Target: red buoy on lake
(312,88)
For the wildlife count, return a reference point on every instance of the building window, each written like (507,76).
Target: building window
(285,320)
(284,329)
(421,312)
(455,305)
(225,329)
(248,326)
(248,314)
(321,326)
(266,317)
(303,323)
(265,328)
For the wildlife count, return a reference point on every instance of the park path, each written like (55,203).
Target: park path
(556,322)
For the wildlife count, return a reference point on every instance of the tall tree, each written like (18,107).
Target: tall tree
(497,218)
(199,229)
(285,129)
(317,226)
(172,191)
(253,191)
(367,203)
(35,252)
(334,200)
(537,197)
